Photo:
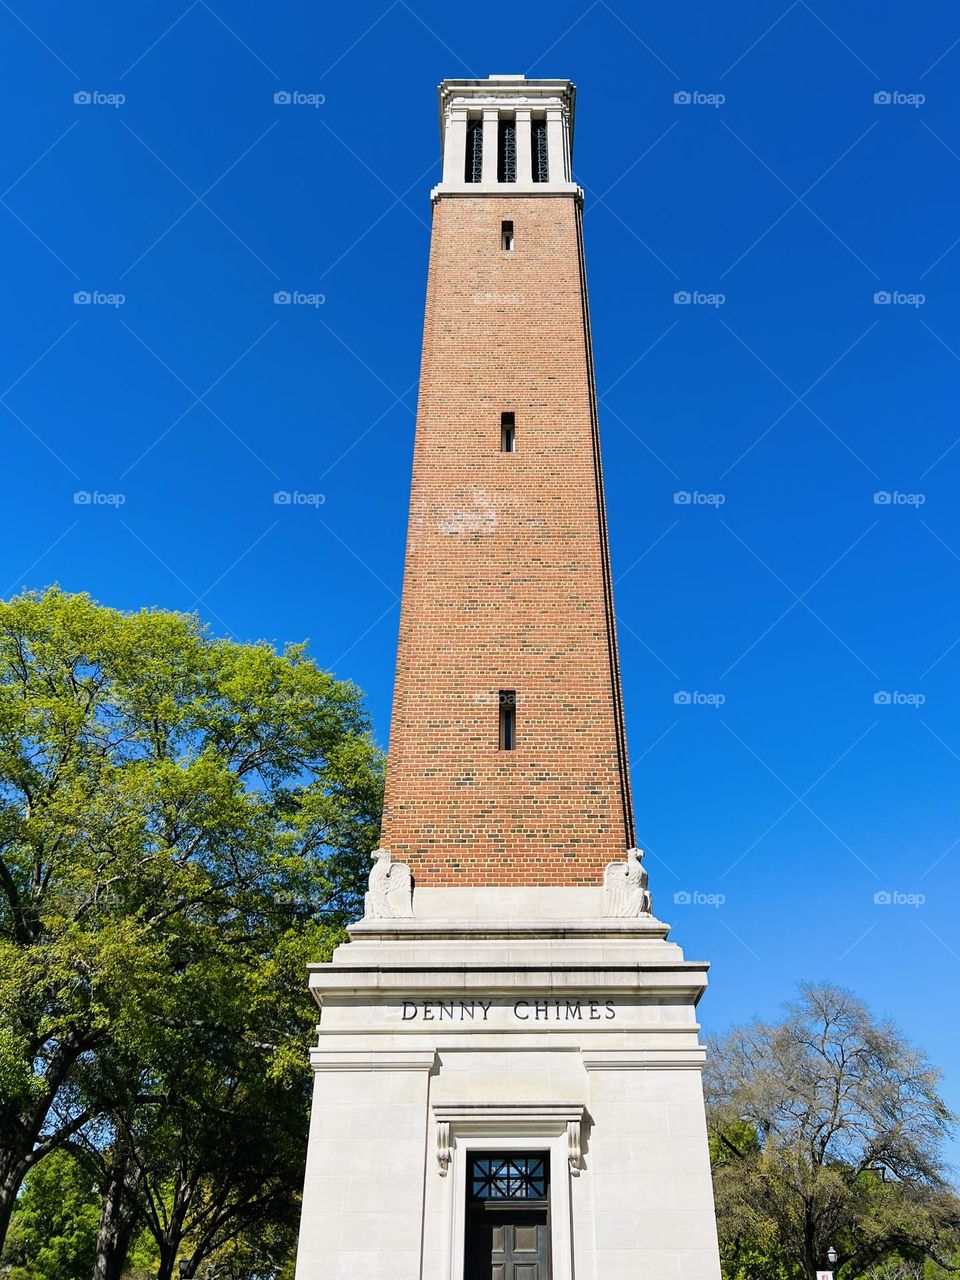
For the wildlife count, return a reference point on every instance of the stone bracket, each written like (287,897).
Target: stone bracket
(444,1146)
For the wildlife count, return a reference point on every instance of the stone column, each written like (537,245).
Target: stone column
(491,141)
(556,145)
(524,146)
(455,145)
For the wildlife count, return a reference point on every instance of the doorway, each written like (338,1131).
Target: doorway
(508,1216)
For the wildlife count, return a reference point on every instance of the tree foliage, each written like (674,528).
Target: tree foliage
(827,1131)
(181,819)
(55,1231)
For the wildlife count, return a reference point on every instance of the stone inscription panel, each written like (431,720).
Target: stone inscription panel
(467,1015)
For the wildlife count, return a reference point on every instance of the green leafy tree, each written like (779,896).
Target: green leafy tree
(55,1232)
(165,796)
(827,1131)
(214,1125)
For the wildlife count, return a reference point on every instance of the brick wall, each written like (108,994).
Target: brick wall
(506,583)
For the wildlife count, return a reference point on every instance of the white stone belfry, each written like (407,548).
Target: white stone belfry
(531,106)
(467,1028)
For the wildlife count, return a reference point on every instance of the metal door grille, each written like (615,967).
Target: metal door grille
(474,151)
(508,1177)
(507,167)
(541,170)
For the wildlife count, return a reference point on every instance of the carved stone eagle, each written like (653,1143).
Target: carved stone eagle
(625,891)
(389,893)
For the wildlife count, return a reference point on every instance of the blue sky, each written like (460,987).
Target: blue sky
(783,586)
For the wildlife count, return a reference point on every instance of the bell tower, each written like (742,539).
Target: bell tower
(507,761)
(508,1066)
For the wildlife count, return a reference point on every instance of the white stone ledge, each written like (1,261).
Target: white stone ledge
(558,1038)
(681,979)
(372,1059)
(507,190)
(643,1059)
(504,926)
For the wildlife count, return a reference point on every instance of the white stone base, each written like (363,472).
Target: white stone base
(576,1036)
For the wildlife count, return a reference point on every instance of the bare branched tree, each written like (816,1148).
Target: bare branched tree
(827,1131)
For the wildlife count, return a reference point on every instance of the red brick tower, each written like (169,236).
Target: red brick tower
(507,1064)
(507,762)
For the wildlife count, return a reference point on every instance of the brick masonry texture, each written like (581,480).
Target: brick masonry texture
(507,581)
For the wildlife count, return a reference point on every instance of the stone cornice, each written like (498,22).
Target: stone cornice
(372,1059)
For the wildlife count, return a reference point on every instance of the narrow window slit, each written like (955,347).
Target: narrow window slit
(508,433)
(508,719)
(506,236)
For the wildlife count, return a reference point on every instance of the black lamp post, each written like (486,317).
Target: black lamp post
(832,1256)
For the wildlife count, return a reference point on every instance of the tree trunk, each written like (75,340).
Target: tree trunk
(168,1258)
(8,1198)
(117,1220)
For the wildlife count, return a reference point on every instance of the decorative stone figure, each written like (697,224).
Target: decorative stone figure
(390,889)
(625,891)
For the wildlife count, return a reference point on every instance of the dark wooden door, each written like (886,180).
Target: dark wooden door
(508,1205)
(508,1244)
